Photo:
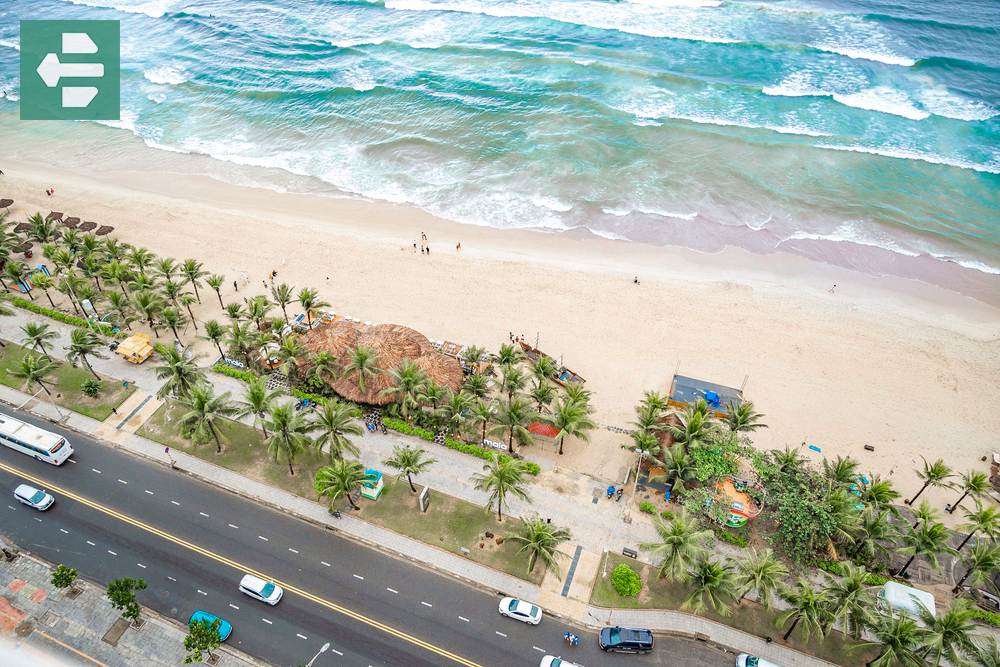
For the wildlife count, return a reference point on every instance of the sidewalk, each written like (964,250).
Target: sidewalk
(41,625)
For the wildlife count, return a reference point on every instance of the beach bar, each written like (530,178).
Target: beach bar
(684,391)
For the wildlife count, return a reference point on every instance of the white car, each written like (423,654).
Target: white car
(33,497)
(747,660)
(258,589)
(521,610)
(553,661)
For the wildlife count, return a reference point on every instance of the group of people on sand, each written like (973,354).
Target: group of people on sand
(425,246)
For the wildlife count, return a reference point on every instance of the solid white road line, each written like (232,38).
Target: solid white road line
(300,636)
(463,618)
(426,604)
(358,576)
(392,590)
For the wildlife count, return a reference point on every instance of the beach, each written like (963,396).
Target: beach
(904,366)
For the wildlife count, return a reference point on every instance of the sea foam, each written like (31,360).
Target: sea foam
(151,8)
(165,75)
(884,100)
(864,54)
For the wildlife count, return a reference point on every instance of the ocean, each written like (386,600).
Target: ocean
(865,133)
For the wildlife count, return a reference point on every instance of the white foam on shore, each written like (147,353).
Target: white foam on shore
(904,154)
(551,203)
(865,54)
(151,8)
(884,100)
(166,75)
(611,236)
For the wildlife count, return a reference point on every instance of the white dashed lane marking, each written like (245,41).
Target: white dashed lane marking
(149,492)
(233,526)
(233,606)
(463,618)
(203,514)
(323,562)
(292,550)
(37,519)
(500,633)
(267,621)
(171,578)
(112,552)
(358,576)
(261,537)
(63,530)
(91,543)
(426,604)
(141,565)
(11,507)
(72,460)
(175,503)
(337,652)
(392,590)
(202,592)
(122,481)
(300,636)
(96,470)
(538,649)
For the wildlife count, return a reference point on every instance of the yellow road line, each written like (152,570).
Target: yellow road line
(70,648)
(399,634)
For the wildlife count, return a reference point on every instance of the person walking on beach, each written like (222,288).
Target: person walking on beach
(635,280)
(458,247)
(236,287)
(832,289)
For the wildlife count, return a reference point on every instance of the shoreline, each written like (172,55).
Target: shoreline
(864,365)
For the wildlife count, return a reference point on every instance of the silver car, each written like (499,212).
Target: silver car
(258,589)
(33,497)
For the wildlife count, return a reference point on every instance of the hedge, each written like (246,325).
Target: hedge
(987,617)
(395,424)
(65,318)
(626,581)
(739,539)
(647,507)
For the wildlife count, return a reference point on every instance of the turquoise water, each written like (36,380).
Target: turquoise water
(864,133)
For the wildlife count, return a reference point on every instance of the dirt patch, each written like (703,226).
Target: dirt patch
(10,616)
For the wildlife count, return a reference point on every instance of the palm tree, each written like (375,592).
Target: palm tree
(257,401)
(334,421)
(290,351)
(289,432)
(484,412)
(713,584)
(122,307)
(215,332)
(340,478)
(166,268)
(975,484)
(257,309)
(985,520)
(456,411)
(187,300)
(540,540)
(694,428)
(898,638)
(310,301)
(512,381)
(988,652)
(84,343)
(577,393)
(240,342)
(543,369)
(933,474)
(149,305)
(432,394)
(476,385)
(68,285)
(925,514)
(140,259)
(408,381)
(92,267)
(948,635)
(325,367)
(172,291)
(34,369)
(762,573)
(542,394)
(173,318)
(180,373)
(215,282)
(878,493)
(141,282)
(851,599)
(409,461)
(983,560)
(363,364)
(788,461)
(513,420)
(472,355)
(234,311)
(677,466)
(42,229)
(117,272)
(928,539)
(205,413)
(282,295)
(841,471)
(509,355)
(809,610)
(572,419)
(682,542)
(871,535)
(502,478)
(742,418)
(45,283)
(193,272)
(38,336)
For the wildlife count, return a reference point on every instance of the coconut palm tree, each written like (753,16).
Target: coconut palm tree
(540,540)
(542,394)
(44,282)
(193,273)
(84,343)
(878,493)
(988,652)
(948,636)
(409,461)
(788,461)
(92,268)
(288,435)
(340,478)
(309,300)
(118,272)
(257,309)
(544,369)
(205,413)
(982,561)
(898,638)
(852,600)
(34,369)
(141,282)
(694,429)
(682,542)
(577,393)
(975,484)
(476,385)
(165,268)
(140,258)
(677,466)
(513,420)
(742,418)
(122,307)
(282,296)
(809,610)
(455,412)
(871,536)
(431,394)
(215,282)
(929,540)
(187,300)
(42,229)
(362,364)
(215,332)
(925,514)
(334,421)
(172,290)
(325,367)
(257,401)
(472,356)
(173,318)
(713,584)
(291,352)
(512,381)
(149,305)
(179,373)
(235,312)
(484,413)
(38,336)
(240,342)
(502,478)
(985,520)
(842,471)
(761,573)
(572,419)
(509,355)
(933,474)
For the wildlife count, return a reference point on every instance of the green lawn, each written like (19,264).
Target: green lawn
(64,384)
(449,523)
(750,617)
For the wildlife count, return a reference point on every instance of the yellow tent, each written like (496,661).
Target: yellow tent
(136,348)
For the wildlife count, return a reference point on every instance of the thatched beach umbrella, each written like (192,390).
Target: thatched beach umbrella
(393,344)
(104,229)
(87,226)
(71,222)
(22,227)
(5,203)
(54,215)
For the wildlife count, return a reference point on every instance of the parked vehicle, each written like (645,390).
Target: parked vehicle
(553,661)
(520,610)
(625,640)
(26,438)
(33,497)
(225,627)
(258,589)
(747,660)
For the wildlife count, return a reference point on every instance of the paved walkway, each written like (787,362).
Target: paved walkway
(42,626)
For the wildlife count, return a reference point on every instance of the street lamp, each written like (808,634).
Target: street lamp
(323,649)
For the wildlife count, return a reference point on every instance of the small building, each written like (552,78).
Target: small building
(136,348)
(685,391)
(372,487)
(907,599)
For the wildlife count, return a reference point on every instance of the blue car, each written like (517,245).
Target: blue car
(225,627)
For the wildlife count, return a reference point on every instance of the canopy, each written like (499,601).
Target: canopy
(136,348)
(906,598)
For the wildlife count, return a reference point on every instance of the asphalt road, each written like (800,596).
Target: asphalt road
(195,542)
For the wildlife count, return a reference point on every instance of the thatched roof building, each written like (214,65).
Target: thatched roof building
(393,344)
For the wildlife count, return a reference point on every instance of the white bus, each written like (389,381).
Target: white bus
(33,441)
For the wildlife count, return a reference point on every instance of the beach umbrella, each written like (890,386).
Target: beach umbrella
(87,226)
(104,229)
(22,227)
(54,215)
(4,203)
(71,222)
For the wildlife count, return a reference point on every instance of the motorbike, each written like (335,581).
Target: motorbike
(571,639)
(611,491)
(618,495)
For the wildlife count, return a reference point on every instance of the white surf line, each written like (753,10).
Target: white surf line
(233,526)
(96,470)
(325,563)
(204,515)
(122,481)
(292,550)
(392,590)
(149,492)
(112,552)
(500,633)
(463,618)
(298,634)
(234,606)
(426,604)
(358,576)
(267,621)
(175,503)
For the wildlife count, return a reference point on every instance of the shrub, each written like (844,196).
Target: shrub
(91,387)
(647,507)
(626,581)
(987,617)
(238,373)
(63,576)
(739,539)
(667,514)
(65,318)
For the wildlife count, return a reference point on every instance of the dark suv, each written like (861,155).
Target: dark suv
(626,640)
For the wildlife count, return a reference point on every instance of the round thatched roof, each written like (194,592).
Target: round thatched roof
(393,344)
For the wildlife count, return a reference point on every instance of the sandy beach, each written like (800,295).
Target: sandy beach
(909,368)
